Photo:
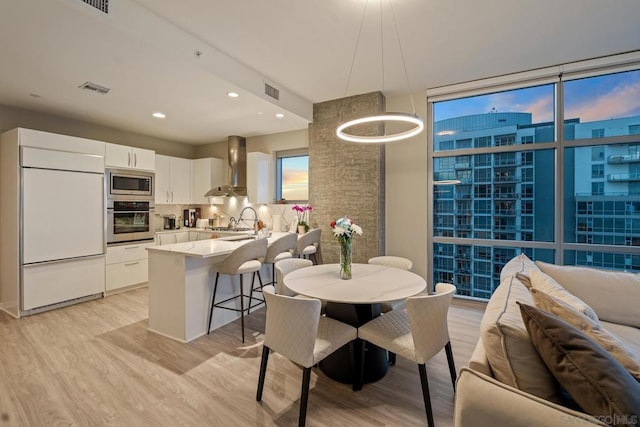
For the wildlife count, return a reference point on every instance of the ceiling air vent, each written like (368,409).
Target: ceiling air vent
(271,91)
(95,88)
(101,5)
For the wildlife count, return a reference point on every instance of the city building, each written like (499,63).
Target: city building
(509,196)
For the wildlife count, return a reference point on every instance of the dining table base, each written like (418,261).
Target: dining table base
(339,366)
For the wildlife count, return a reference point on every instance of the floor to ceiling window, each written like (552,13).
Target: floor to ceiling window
(548,165)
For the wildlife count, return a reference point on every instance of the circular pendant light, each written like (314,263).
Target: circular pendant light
(406,118)
(418,126)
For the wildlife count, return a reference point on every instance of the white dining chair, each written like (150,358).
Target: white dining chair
(284,267)
(418,334)
(295,330)
(396,262)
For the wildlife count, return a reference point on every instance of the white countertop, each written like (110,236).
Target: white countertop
(210,247)
(208,230)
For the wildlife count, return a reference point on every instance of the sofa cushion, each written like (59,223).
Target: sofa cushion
(525,279)
(598,383)
(616,347)
(513,359)
(628,334)
(614,295)
(548,285)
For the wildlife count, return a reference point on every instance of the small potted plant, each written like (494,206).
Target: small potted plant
(302,216)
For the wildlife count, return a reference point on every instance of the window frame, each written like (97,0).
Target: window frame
(284,154)
(550,75)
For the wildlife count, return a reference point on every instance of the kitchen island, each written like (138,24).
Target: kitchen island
(181,284)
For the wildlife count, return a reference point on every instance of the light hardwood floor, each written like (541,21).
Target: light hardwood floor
(96,364)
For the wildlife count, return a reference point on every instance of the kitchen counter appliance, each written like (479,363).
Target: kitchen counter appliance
(191,216)
(130,183)
(60,261)
(130,206)
(169,222)
(130,220)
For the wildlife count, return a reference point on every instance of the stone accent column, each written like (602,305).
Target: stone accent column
(347,178)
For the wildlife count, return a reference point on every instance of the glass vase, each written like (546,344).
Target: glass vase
(345,260)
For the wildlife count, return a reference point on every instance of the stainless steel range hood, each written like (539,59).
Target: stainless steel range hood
(236,184)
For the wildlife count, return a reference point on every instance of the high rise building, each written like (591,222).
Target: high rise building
(509,196)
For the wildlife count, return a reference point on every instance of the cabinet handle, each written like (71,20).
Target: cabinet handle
(131,263)
(129,158)
(131,247)
(135,159)
(172,197)
(167,196)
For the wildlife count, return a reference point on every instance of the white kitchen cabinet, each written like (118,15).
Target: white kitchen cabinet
(205,174)
(173,180)
(170,237)
(259,177)
(122,156)
(126,266)
(184,235)
(163,180)
(200,235)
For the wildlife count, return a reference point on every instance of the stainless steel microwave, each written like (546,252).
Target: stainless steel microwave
(126,182)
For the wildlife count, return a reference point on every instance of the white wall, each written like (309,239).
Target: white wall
(406,190)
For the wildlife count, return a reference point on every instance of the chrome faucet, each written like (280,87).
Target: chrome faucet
(233,223)
(255,216)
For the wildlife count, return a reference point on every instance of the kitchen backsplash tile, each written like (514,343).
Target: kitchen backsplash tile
(231,208)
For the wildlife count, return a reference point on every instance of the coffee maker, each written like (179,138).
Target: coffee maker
(190,217)
(169,222)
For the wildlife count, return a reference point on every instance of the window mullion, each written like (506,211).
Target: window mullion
(560,173)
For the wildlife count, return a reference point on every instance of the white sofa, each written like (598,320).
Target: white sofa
(513,390)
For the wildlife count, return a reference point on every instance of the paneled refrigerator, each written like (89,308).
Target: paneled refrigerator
(60,220)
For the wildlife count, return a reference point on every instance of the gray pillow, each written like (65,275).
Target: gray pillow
(596,381)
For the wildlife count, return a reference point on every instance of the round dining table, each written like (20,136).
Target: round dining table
(355,302)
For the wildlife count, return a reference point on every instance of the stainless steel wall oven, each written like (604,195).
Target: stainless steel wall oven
(130,206)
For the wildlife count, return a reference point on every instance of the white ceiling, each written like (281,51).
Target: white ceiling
(145,52)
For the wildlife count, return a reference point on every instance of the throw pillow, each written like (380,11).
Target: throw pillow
(511,355)
(546,284)
(596,381)
(616,347)
(519,264)
(614,295)
(524,279)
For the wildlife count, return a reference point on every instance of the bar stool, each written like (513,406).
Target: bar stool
(280,249)
(245,259)
(309,245)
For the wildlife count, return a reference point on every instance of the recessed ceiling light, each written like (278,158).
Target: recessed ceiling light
(279,115)
(159,115)
(232,94)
